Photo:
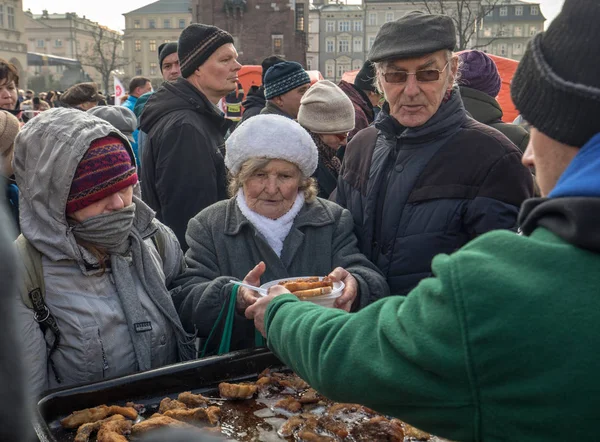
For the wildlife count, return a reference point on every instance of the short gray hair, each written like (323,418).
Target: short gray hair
(308,185)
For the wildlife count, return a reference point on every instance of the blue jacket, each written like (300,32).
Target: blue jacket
(130,104)
(417,192)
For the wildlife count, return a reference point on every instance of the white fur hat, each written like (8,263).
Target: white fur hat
(271,136)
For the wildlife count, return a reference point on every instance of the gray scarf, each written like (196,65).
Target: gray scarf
(115,232)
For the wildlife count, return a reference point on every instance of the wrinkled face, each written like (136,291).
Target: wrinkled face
(549,158)
(218,75)
(414,102)
(113,202)
(290,101)
(335,140)
(272,190)
(170,67)
(8,94)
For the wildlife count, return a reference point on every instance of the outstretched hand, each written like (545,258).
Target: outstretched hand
(258,309)
(246,297)
(350,292)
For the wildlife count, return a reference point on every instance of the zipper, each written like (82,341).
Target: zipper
(104,361)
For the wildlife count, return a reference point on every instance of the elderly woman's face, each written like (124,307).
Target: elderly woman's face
(272,190)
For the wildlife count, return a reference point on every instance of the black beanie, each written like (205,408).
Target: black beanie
(164,50)
(197,42)
(557,85)
(365,77)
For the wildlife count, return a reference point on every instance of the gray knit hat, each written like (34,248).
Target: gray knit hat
(326,109)
(120,117)
(284,77)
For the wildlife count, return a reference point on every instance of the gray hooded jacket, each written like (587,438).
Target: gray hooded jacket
(95,342)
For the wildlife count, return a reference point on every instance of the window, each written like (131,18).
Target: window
(503,50)
(329,45)
(357,64)
(532,31)
(358,25)
(167,23)
(372,18)
(11,17)
(343,46)
(517,49)
(490,13)
(309,64)
(299,16)
(487,31)
(1,16)
(138,45)
(342,69)
(389,16)
(137,24)
(40,43)
(518,31)
(181,23)
(344,26)
(153,69)
(518,10)
(138,69)
(503,11)
(58,43)
(152,44)
(535,10)
(330,26)
(357,45)
(152,23)
(371,41)
(277,43)
(329,66)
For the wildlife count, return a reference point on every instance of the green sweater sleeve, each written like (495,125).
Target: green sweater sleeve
(402,356)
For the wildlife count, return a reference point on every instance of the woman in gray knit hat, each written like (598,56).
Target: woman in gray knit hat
(327,114)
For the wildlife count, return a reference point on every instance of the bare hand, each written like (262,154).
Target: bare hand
(350,292)
(246,297)
(257,310)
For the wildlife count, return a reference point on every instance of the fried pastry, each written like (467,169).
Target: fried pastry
(412,432)
(86,430)
(310,396)
(114,431)
(333,426)
(294,423)
(210,414)
(237,391)
(380,429)
(312,436)
(170,404)
(81,417)
(289,404)
(158,421)
(192,400)
(301,284)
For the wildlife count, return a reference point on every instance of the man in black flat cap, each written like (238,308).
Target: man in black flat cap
(426,178)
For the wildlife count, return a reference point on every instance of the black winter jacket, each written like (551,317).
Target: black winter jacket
(254,103)
(183,171)
(417,192)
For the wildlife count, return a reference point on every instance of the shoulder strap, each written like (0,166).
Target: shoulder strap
(159,241)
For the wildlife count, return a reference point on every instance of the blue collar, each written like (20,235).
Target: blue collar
(582,176)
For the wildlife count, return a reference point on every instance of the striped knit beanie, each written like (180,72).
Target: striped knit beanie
(196,43)
(284,77)
(106,168)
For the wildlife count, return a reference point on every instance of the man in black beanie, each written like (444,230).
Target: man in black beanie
(364,97)
(503,340)
(182,156)
(168,60)
(425,178)
(255,100)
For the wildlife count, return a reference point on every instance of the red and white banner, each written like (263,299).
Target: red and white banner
(119,91)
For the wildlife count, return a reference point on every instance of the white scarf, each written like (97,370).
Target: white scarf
(273,230)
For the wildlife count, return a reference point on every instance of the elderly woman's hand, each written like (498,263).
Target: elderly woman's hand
(258,309)
(350,292)
(247,297)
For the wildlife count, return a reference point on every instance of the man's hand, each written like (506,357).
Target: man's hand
(257,310)
(350,292)
(246,297)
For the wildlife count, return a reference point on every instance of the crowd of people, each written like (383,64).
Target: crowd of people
(470,298)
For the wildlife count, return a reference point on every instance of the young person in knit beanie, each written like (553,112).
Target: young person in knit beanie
(502,338)
(328,116)
(285,84)
(9,128)
(168,61)
(106,262)
(480,84)
(182,154)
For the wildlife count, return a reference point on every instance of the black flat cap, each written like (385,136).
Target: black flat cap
(414,35)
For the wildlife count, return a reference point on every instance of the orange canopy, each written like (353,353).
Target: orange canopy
(251,75)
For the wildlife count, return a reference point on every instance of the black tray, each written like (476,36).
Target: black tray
(148,387)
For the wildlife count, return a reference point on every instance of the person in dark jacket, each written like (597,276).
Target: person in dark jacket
(255,100)
(328,115)
(182,156)
(364,97)
(480,84)
(9,128)
(426,178)
(285,84)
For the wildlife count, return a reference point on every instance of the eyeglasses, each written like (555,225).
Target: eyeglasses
(423,76)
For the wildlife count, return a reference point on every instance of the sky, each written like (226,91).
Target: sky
(108,12)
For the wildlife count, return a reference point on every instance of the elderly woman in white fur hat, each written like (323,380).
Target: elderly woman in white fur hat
(273,227)
(327,114)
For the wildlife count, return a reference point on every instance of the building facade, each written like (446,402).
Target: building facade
(146,29)
(508,28)
(313,47)
(260,28)
(68,36)
(13,43)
